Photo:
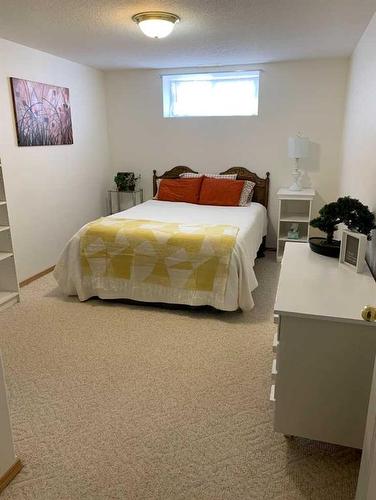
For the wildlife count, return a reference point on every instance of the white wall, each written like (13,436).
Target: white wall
(306,96)
(52,190)
(358,176)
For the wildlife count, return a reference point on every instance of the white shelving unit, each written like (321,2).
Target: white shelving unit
(9,290)
(294,206)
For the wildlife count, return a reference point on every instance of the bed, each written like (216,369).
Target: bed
(248,222)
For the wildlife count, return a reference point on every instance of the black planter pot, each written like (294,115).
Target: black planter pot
(321,246)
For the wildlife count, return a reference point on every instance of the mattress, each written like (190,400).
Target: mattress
(251,221)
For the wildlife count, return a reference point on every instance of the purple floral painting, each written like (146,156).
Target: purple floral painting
(43,113)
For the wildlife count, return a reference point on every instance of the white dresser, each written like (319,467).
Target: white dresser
(324,351)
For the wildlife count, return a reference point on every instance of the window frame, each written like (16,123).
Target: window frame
(169,79)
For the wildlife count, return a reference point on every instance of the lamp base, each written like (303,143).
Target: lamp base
(295,187)
(296,174)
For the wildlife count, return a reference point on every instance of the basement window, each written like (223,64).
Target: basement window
(233,93)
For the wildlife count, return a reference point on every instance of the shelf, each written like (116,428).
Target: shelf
(9,289)
(294,218)
(299,240)
(5,255)
(7,297)
(304,194)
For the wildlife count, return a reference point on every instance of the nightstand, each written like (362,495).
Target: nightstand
(137,196)
(294,207)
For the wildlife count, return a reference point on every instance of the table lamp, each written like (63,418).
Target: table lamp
(298,148)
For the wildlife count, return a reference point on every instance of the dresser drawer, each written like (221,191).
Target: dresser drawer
(274,369)
(275,342)
(272,394)
(279,330)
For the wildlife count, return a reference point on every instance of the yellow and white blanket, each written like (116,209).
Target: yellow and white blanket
(175,255)
(98,281)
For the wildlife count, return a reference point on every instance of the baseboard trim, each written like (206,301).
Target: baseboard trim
(10,474)
(37,276)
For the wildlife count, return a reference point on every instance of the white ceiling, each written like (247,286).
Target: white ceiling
(101,33)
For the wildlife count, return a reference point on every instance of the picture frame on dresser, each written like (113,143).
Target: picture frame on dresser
(353,250)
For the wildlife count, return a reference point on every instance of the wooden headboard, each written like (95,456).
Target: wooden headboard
(261,192)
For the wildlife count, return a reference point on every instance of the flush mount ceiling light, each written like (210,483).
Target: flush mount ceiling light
(156,24)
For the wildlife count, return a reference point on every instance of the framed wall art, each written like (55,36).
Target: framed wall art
(42,113)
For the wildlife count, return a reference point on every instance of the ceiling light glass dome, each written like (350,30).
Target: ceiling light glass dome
(156,24)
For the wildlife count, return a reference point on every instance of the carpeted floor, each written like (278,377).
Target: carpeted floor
(120,401)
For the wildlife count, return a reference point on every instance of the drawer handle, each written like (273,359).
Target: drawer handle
(369,313)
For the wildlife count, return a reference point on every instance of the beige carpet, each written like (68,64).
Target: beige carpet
(119,401)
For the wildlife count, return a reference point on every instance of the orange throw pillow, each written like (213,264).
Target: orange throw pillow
(187,190)
(220,192)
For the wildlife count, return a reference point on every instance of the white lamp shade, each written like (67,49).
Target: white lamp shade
(298,147)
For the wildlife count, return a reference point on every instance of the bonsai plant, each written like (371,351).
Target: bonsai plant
(349,211)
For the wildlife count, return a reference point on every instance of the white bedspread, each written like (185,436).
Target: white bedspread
(251,221)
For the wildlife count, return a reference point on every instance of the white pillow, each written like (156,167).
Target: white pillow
(190,175)
(247,193)
(155,197)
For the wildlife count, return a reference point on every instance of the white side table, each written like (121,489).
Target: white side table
(294,207)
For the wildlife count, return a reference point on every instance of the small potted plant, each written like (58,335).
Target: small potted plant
(125,181)
(349,211)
